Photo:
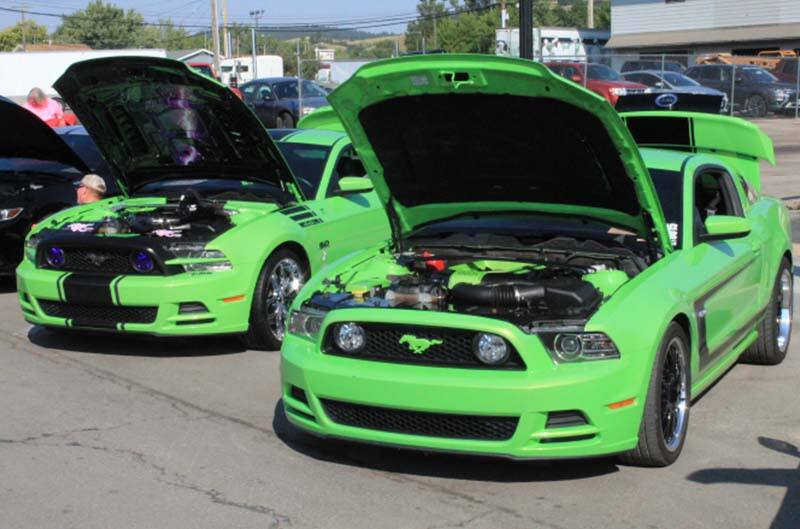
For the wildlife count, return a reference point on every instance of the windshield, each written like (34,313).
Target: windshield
(288,90)
(676,79)
(307,163)
(759,75)
(27,165)
(213,188)
(601,72)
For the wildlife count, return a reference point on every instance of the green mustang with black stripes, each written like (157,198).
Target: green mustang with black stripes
(219,225)
(561,285)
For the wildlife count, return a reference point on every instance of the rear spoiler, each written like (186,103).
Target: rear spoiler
(322,118)
(739,142)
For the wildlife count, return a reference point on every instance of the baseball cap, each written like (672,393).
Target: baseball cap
(94,182)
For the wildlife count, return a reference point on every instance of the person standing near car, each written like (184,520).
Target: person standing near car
(91,188)
(49,110)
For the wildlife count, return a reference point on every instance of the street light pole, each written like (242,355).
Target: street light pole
(256,14)
(526,29)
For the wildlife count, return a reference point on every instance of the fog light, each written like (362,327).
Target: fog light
(191,308)
(350,337)
(55,257)
(568,346)
(490,349)
(142,262)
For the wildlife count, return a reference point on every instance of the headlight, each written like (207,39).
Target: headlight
(306,323)
(31,245)
(490,349)
(782,94)
(8,214)
(55,257)
(619,91)
(198,251)
(580,346)
(349,337)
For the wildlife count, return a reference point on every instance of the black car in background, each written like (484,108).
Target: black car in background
(754,90)
(652,64)
(276,101)
(39,170)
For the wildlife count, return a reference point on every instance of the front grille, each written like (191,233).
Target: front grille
(455,350)
(88,315)
(111,261)
(453,426)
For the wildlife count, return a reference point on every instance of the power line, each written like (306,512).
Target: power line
(363,23)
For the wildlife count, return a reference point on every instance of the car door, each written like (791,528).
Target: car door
(260,98)
(727,272)
(350,221)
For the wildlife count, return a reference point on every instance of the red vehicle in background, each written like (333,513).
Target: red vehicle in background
(786,70)
(207,69)
(601,79)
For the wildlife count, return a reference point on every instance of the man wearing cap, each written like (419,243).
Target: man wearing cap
(91,188)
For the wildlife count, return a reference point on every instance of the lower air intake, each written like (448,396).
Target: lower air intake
(454,426)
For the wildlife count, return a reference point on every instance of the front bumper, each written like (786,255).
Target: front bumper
(311,379)
(225,294)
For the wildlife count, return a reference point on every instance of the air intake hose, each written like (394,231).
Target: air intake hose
(504,296)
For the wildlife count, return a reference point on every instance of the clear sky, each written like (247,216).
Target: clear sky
(197,12)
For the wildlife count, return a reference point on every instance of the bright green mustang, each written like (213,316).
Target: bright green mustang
(215,234)
(561,282)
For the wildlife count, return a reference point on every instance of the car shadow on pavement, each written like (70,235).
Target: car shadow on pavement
(788,516)
(434,464)
(132,345)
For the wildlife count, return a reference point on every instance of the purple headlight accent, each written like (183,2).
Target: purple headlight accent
(142,262)
(55,257)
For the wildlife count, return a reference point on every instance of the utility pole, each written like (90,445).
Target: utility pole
(256,14)
(435,39)
(22,8)
(299,82)
(526,29)
(590,14)
(215,34)
(225,34)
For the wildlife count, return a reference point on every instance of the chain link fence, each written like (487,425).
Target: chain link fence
(759,86)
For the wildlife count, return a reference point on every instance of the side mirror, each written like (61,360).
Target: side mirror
(738,79)
(721,227)
(349,185)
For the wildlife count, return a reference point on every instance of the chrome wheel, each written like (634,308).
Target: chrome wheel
(284,283)
(674,394)
(783,311)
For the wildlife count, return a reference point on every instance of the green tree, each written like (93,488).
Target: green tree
(12,36)
(470,32)
(164,35)
(424,27)
(103,25)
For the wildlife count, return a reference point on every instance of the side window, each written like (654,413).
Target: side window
(669,188)
(710,73)
(348,164)
(648,80)
(263,93)
(726,74)
(714,194)
(249,92)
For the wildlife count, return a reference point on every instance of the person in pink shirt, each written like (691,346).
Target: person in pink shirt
(48,110)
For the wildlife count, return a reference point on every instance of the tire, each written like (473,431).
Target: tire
(284,121)
(662,432)
(775,329)
(287,271)
(756,106)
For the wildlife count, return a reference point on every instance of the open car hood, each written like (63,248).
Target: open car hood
(441,135)
(24,135)
(155,119)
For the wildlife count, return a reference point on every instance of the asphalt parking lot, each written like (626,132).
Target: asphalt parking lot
(102,431)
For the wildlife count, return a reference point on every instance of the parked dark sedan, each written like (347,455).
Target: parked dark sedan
(39,168)
(674,82)
(755,91)
(276,101)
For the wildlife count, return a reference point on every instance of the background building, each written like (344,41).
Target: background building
(741,27)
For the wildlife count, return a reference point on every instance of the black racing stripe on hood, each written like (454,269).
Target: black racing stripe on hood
(84,289)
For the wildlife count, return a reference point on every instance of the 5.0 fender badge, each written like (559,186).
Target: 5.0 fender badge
(418,345)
